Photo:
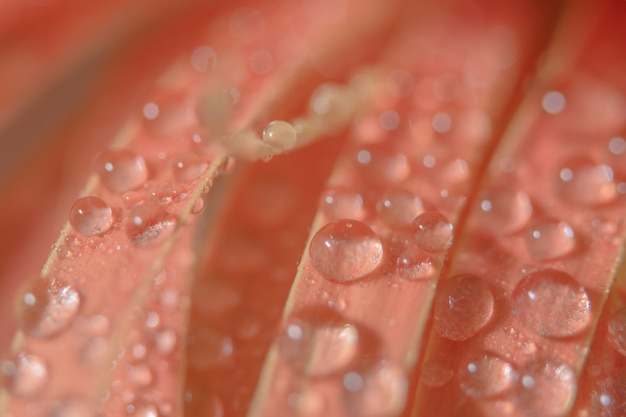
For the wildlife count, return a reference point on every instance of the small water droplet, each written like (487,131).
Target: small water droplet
(399,207)
(47,307)
(551,303)
(414,263)
(318,347)
(617,145)
(189,166)
(442,122)
(485,375)
(203,58)
(227,166)
(71,407)
(307,403)
(548,239)
(342,203)
(24,374)
(553,102)
(207,348)
(280,135)
(432,231)
(333,104)
(582,181)
(502,211)
(198,206)
(345,250)
(91,216)
(139,375)
(165,341)
(376,392)
(463,306)
(149,223)
(121,171)
(548,388)
(380,165)
(617,331)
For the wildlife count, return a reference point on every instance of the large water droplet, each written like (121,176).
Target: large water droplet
(345,250)
(582,181)
(432,231)
(548,239)
(189,166)
(485,375)
(547,388)
(121,171)
(149,223)
(502,210)
(551,303)
(617,331)
(463,306)
(398,207)
(280,135)
(380,391)
(318,347)
(91,216)
(24,374)
(415,263)
(342,203)
(47,307)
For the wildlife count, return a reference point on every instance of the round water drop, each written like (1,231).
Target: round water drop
(502,211)
(551,303)
(553,102)
(91,216)
(548,239)
(346,250)
(342,203)
(617,145)
(71,407)
(203,58)
(547,388)
(318,347)
(617,331)
(24,374)
(485,375)
(398,207)
(121,171)
(333,104)
(463,306)
(414,263)
(47,307)
(149,223)
(381,165)
(189,166)
(139,375)
(432,231)
(380,391)
(280,136)
(582,181)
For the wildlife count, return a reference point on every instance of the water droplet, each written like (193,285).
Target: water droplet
(485,375)
(547,389)
(414,263)
(551,303)
(463,306)
(165,341)
(617,145)
(342,203)
(91,216)
(345,250)
(442,122)
(582,181)
(198,206)
(389,120)
(206,349)
(380,391)
(149,223)
(553,102)
(71,407)
(333,104)
(24,374)
(318,347)
(307,403)
(548,239)
(617,331)
(145,411)
(502,211)
(399,207)
(203,58)
(47,307)
(121,171)
(227,166)
(139,375)
(189,166)
(381,165)
(280,135)
(432,231)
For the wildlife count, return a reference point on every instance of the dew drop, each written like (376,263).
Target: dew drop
(203,58)
(139,375)
(397,208)
(548,239)
(189,166)
(463,306)
(121,171)
(582,181)
(198,206)
(617,331)
(547,388)
(485,375)
(551,303)
(442,122)
(382,166)
(207,348)
(71,407)
(345,250)
(165,341)
(414,263)
(380,391)
(342,203)
(432,231)
(553,102)
(389,120)
(227,166)
(318,347)
(333,103)
(149,223)
(91,216)
(502,211)
(47,307)
(280,136)
(24,374)
(307,403)
(617,145)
